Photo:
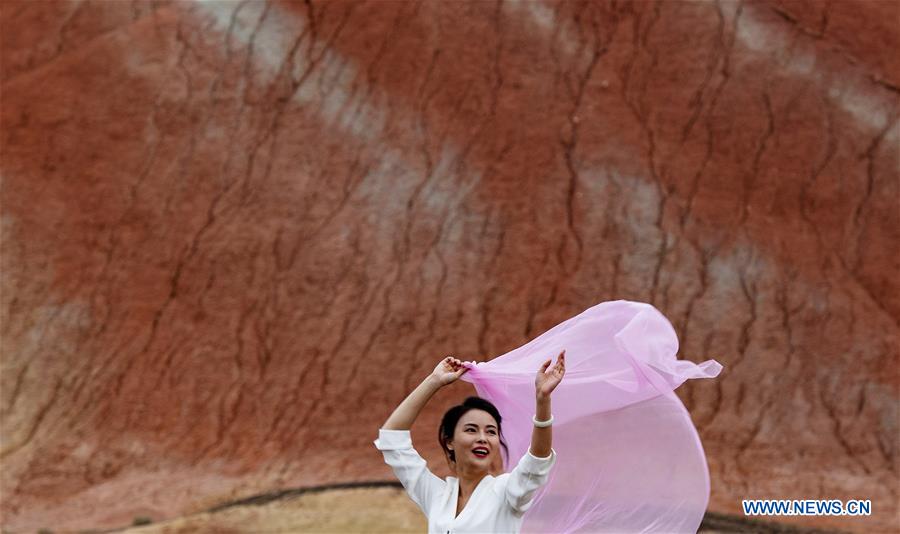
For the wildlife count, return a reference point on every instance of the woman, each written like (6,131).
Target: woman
(630,458)
(474,500)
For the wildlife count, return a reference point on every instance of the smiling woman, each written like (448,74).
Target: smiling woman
(481,497)
(474,424)
(630,458)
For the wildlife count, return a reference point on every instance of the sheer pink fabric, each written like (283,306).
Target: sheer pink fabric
(628,456)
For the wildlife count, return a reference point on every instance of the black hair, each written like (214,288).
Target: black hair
(452,417)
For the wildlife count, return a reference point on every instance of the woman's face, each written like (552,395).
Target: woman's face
(476,429)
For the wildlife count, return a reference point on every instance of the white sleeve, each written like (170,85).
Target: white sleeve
(528,476)
(423,486)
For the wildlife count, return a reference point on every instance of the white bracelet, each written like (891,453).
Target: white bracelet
(542,424)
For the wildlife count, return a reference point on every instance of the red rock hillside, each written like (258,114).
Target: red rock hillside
(235,235)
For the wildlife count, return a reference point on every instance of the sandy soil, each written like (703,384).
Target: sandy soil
(386,510)
(366,510)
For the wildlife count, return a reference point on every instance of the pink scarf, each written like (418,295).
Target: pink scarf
(628,456)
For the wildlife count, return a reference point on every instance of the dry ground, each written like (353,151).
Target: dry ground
(364,510)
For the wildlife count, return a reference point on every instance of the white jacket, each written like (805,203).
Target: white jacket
(498,504)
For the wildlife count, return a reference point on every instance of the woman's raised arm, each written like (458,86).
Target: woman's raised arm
(544,384)
(446,372)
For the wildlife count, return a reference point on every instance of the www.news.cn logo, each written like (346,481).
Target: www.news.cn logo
(806,507)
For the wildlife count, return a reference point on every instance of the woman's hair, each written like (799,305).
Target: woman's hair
(452,417)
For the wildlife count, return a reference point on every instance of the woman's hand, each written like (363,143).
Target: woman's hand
(546,381)
(448,370)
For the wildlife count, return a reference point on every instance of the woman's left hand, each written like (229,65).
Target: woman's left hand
(546,381)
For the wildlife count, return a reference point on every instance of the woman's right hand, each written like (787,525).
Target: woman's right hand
(448,370)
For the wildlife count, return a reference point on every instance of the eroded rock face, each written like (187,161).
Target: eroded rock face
(236,235)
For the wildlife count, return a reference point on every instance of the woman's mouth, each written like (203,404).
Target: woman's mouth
(480,452)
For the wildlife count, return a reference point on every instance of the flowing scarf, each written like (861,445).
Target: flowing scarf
(628,456)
